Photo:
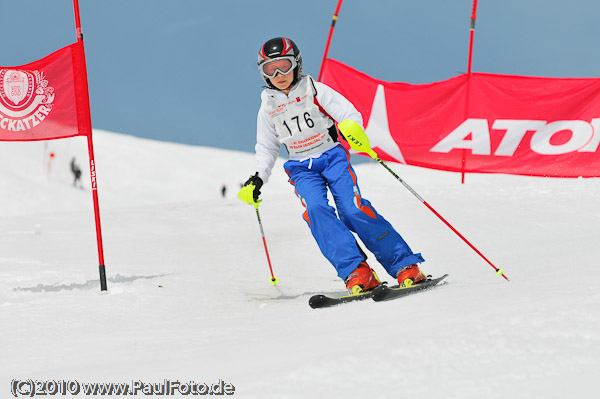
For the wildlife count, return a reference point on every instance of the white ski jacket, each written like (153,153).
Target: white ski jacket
(303,121)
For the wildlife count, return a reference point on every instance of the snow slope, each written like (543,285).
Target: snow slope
(190,299)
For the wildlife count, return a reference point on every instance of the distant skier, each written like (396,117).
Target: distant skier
(301,114)
(224,190)
(76,173)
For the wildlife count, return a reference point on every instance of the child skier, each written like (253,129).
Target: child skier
(300,113)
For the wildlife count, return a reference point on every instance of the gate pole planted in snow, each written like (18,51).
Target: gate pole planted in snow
(102,268)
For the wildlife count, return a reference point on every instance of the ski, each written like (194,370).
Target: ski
(385,293)
(379,294)
(324,301)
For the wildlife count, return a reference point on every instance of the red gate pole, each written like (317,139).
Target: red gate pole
(102,267)
(335,16)
(472,35)
(469,69)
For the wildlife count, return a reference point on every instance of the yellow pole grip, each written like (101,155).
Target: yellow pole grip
(356,137)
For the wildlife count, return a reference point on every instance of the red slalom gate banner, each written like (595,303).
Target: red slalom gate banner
(482,123)
(49,99)
(46,99)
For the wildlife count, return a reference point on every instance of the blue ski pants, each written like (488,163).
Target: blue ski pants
(332,170)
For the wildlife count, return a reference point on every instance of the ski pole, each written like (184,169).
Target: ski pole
(247,196)
(359,141)
(274,280)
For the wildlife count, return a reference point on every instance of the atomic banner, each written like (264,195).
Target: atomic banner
(483,123)
(45,99)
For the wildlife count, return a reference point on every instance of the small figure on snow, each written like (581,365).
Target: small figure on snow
(76,172)
(224,190)
(301,114)
(51,156)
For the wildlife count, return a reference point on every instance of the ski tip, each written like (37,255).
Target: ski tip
(315,301)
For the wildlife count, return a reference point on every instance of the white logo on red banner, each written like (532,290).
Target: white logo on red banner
(25,99)
(474,134)
(378,129)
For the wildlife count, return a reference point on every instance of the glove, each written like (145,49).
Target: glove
(251,190)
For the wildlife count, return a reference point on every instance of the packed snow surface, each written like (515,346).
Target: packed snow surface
(190,299)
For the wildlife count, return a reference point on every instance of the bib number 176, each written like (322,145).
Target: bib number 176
(309,122)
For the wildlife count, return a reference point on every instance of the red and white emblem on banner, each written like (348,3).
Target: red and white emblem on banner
(45,99)
(25,99)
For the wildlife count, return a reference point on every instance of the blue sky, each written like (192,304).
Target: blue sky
(185,70)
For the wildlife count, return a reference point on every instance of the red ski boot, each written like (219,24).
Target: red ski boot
(362,279)
(410,275)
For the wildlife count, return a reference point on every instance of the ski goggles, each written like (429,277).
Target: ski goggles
(282,65)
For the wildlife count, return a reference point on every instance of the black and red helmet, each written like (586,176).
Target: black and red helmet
(280,47)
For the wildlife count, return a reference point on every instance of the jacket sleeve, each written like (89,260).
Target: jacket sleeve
(267,145)
(336,105)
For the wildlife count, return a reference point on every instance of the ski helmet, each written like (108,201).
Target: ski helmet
(280,47)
